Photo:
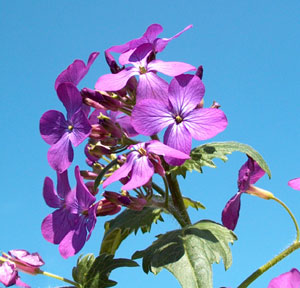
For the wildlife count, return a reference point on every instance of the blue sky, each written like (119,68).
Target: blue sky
(250,53)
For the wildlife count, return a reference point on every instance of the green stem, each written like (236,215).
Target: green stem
(166,193)
(158,189)
(58,277)
(292,216)
(268,265)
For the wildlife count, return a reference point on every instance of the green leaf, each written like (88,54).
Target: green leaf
(203,156)
(188,202)
(189,253)
(125,223)
(92,272)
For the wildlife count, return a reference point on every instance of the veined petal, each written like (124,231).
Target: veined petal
(52,126)
(139,57)
(70,96)
(169,68)
(123,171)
(63,186)
(60,155)
(179,138)
(30,259)
(159,148)
(50,195)
(76,71)
(115,82)
(231,212)
(295,183)
(150,116)
(150,86)
(81,128)
(185,93)
(142,171)
(125,123)
(161,43)
(205,123)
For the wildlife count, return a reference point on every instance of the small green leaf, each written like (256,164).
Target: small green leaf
(191,203)
(92,272)
(203,156)
(189,253)
(125,223)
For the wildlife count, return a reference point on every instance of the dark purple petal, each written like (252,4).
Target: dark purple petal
(295,183)
(125,124)
(92,218)
(142,171)
(159,148)
(81,128)
(123,171)
(179,138)
(76,71)
(50,195)
(230,214)
(63,186)
(169,68)
(289,279)
(161,43)
(150,116)
(115,82)
(185,93)
(150,86)
(140,54)
(8,273)
(205,123)
(52,126)
(70,96)
(60,155)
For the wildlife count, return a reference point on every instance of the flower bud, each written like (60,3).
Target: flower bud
(105,207)
(261,193)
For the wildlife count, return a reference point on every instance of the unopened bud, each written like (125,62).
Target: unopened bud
(105,207)
(215,105)
(261,193)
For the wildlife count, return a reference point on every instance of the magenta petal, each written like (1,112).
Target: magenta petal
(150,86)
(8,273)
(159,148)
(179,138)
(76,71)
(52,126)
(160,44)
(295,183)
(63,186)
(230,214)
(150,116)
(70,96)
(289,279)
(125,123)
(60,155)
(50,194)
(140,55)
(205,123)
(123,171)
(81,128)
(185,93)
(22,284)
(115,82)
(142,171)
(169,68)
(32,259)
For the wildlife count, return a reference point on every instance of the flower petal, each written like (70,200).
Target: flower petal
(150,116)
(60,155)
(289,279)
(179,138)
(32,259)
(52,126)
(230,214)
(169,68)
(76,71)
(295,183)
(63,186)
(205,123)
(81,128)
(50,195)
(8,273)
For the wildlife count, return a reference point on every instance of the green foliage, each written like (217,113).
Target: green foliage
(92,272)
(189,253)
(188,202)
(203,155)
(125,223)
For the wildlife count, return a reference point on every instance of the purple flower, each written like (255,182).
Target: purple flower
(249,174)
(183,119)
(74,217)
(18,260)
(149,85)
(150,36)
(61,133)
(142,162)
(76,71)
(289,279)
(295,183)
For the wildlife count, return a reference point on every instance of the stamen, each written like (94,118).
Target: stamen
(178,119)
(143,70)
(70,128)
(142,151)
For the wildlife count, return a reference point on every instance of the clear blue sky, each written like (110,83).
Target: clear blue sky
(250,53)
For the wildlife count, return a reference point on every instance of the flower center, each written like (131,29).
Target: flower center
(142,151)
(70,128)
(142,70)
(178,119)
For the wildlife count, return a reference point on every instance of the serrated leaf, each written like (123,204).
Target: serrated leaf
(203,156)
(188,202)
(125,223)
(189,253)
(92,272)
